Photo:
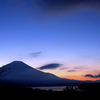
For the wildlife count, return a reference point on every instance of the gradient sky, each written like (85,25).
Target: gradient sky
(67,37)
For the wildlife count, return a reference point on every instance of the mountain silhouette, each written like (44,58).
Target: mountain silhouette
(20,74)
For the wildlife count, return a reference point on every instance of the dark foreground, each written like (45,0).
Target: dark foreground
(84,91)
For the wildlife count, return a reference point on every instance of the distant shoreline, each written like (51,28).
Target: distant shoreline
(83,91)
(54,88)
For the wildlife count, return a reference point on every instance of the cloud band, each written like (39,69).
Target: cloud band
(92,76)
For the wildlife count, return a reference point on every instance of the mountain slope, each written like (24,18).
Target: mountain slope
(20,74)
(20,69)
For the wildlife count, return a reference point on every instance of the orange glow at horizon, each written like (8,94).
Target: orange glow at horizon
(81,78)
(74,75)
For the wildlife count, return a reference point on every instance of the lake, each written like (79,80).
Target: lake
(54,88)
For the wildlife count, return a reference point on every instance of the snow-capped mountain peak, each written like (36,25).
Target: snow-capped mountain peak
(18,65)
(14,69)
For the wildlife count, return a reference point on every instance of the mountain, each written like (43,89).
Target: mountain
(20,74)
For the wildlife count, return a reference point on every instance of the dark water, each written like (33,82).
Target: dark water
(54,88)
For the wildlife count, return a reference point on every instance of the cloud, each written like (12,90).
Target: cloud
(71,71)
(35,54)
(92,76)
(78,67)
(59,6)
(50,66)
(63,68)
(39,8)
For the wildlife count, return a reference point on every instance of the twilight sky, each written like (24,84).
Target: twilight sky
(57,36)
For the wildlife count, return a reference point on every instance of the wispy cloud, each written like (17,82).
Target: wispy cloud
(63,68)
(78,67)
(35,54)
(75,69)
(92,76)
(71,70)
(50,66)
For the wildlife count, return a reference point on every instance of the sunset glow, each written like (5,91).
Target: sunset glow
(52,38)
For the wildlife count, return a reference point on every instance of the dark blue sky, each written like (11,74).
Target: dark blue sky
(71,38)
